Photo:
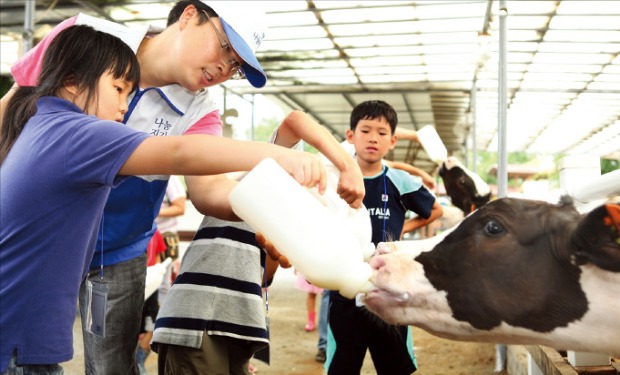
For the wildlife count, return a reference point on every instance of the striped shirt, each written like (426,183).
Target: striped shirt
(218,289)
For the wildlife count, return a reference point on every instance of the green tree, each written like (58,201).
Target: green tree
(609,165)
(6,82)
(264,130)
(487,159)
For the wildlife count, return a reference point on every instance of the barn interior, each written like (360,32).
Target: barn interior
(439,63)
(534,78)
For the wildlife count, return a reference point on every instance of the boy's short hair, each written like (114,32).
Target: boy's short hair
(372,109)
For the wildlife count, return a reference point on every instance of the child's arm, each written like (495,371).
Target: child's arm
(272,252)
(176,208)
(209,194)
(427,179)
(419,221)
(408,134)
(271,266)
(176,197)
(207,155)
(274,259)
(300,126)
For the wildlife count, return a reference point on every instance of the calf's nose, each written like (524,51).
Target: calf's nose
(376,262)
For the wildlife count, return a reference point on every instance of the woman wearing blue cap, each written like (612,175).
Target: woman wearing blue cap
(205,43)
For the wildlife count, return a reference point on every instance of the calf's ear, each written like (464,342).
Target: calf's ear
(597,238)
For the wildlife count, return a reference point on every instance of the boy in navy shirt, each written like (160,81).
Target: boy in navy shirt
(390,193)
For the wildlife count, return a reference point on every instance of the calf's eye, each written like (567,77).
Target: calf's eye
(493,228)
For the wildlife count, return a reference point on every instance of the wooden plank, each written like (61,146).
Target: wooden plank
(550,361)
(596,370)
(615,363)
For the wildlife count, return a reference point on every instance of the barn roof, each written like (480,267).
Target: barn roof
(435,61)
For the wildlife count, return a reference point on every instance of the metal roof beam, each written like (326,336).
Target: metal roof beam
(322,121)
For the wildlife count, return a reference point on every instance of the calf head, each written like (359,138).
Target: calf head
(514,271)
(466,189)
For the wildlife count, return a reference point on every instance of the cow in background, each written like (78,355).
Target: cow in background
(465,188)
(515,271)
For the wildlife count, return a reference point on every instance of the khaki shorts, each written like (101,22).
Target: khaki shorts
(216,355)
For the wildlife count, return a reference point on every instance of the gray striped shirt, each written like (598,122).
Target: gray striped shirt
(218,289)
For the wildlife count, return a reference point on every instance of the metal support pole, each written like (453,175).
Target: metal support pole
(502,175)
(253,102)
(28,35)
(474,149)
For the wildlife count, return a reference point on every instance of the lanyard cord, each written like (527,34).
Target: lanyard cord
(266,288)
(384,198)
(101,267)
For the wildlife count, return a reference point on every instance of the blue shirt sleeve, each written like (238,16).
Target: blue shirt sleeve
(413,195)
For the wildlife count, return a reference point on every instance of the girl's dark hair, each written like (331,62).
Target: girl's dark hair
(79,56)
(372,109)
(179,7)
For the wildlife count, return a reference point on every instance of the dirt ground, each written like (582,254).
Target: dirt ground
(293,349)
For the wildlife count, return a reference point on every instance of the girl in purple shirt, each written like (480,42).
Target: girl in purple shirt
(63,148)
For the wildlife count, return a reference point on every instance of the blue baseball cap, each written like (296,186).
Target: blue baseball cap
(243,23)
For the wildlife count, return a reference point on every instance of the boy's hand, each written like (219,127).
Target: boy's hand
(351,187)
(307,169)
(428,180)
(272,252)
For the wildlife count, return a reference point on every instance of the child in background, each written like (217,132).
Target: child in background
(321,345)
(155,252)
(302,284)
(61,152)
(167,221)
(172,208)
(390,193)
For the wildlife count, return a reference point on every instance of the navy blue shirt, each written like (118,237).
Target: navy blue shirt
(389,195)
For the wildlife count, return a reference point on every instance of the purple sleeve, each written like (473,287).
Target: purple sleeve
(99,149)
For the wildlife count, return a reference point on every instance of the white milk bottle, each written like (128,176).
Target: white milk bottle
(323,238)
(432,143)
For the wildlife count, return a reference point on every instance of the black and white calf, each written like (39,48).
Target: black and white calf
(465,188)
(514,271)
